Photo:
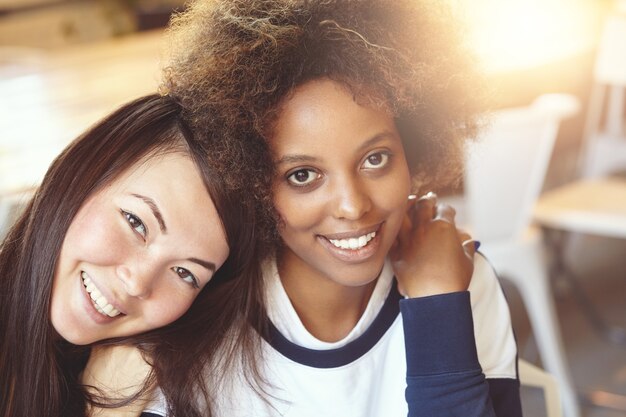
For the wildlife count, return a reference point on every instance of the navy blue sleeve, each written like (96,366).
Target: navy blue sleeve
(444,376)
(505,396)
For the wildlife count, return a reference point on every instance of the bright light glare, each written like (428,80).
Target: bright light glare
(519,34)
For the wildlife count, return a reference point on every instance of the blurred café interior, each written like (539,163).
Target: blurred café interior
(545,183)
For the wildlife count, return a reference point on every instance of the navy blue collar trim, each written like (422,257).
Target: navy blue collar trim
(344,355)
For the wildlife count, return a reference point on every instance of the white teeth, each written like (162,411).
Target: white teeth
(354,242)
(102,302)
(99,301)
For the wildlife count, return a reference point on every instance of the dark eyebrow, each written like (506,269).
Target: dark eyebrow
(155,210)
(377,138)
(208,265)
(297,159)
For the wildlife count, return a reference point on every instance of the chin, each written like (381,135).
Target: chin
(75,338)
(357,276)
(72,332)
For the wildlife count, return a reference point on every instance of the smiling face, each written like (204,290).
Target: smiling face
(341,188)
(137,253)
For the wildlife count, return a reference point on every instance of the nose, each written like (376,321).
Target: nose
(352,199)
(138,282)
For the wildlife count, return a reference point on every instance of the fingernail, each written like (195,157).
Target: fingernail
(476,245)
(429,195)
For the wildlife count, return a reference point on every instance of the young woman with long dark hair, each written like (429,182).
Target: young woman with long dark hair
(132,239)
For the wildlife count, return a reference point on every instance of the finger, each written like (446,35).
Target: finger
(470,246)
(424,209)
(445,212)
(428,196)
(463,236)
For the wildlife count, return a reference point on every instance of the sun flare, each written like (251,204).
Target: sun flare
(519,34)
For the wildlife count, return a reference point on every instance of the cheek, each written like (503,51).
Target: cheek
(393,195)
(296,211)
(166,309)
(94,236)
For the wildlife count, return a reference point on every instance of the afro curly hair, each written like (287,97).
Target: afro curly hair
(240,59)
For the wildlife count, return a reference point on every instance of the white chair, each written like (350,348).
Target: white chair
(603,148)
(505,171)
(532,376)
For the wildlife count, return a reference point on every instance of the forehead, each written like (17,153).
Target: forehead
(166,176)
(333,92)
(169,178)
(322,111)
(152,164)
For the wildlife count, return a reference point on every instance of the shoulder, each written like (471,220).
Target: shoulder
(485,289)
(497,350)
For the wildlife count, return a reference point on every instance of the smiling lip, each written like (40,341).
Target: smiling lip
(356,246)
(97,314)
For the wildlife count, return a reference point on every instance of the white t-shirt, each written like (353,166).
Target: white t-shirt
(363,374)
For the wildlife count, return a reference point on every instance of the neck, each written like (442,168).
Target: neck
(328,309)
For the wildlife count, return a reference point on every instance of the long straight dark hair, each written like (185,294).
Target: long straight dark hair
(39,372)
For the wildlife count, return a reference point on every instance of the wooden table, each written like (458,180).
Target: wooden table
(593,206)
(48,97)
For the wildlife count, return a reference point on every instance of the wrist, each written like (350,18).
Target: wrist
(428,291)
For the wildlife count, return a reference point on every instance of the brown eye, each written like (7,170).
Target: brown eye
(135,223)
(376,160)
(186,276)
(302,177)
